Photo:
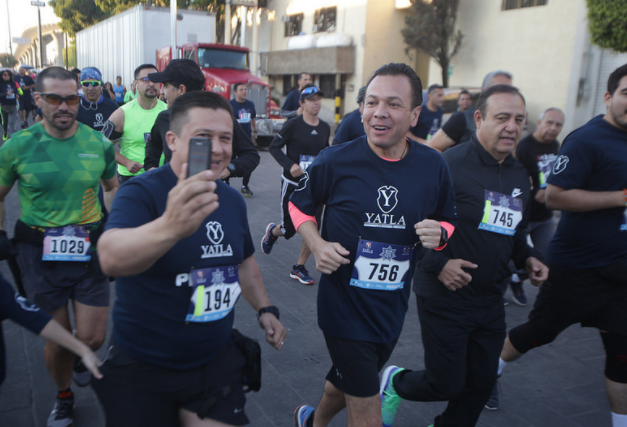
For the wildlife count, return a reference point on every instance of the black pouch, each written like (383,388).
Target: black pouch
(251,372)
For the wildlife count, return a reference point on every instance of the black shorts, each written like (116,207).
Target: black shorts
(134,393)
(26,103)
(287,226)
(595,297)
(50,284)
(356,365)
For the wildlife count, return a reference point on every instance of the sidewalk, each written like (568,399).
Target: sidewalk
(559,385)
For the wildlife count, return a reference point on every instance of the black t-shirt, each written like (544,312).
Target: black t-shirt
(592,158)
(350,129)
(95,115)
(538,159)
(461,126)
(300,139)
(428,122)
(8,93)
(371,207)
(25,81)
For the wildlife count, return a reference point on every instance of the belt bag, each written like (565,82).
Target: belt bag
(251,373)
(27,234)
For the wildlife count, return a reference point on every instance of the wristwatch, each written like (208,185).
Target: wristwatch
(443,237)
(269,309)
(231,167)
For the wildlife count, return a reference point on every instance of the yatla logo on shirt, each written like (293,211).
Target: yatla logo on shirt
(387,200)
(216,249)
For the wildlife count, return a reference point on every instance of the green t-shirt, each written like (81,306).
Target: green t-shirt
(129,96)
(58,179)
(137,126)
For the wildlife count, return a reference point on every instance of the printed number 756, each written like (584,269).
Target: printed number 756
(386,272)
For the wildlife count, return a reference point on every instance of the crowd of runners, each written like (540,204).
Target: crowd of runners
(455,212)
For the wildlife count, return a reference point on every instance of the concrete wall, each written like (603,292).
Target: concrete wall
(535,44)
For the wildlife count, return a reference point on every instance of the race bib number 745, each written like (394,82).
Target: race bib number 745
(501,213)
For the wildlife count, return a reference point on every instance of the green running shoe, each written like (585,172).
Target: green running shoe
(389,398)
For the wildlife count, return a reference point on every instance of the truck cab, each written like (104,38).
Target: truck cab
(223,67)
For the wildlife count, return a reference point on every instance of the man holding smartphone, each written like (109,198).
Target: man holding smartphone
(182,260)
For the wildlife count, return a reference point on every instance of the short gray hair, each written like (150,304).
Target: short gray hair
(542,114)
(487,80)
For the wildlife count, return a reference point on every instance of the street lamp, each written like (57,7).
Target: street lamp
(39,5)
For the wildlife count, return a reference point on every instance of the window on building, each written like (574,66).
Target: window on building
(324,19)
(294,24)
(519,4)
(327,84)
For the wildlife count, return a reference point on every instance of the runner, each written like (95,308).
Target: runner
(119,89)
(303,138)
(537,153)
(384,195)
(459,290)
(182,261)
(245,113)
(130,125)
(179,77)
(588,254)
(9,92)
(26,100)
(59,165)
(94,109)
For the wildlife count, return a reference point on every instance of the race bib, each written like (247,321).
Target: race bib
(69,243)
(215,292)
(305,161)
(381,266)
(501,213)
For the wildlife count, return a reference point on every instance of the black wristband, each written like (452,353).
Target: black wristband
(269,309)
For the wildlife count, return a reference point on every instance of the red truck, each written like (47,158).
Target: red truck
(224,66)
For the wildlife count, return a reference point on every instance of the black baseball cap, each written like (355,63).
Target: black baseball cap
(309,91)
(191,76)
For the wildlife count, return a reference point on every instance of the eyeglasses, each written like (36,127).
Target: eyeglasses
(54,99)
(144,79)
(309,91)
(93,84)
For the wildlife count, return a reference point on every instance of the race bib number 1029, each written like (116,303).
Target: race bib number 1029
(69,243)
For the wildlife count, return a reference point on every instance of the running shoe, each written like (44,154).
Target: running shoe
(389,398)
(80,373)
(302,414)
(63,412)
(5,137)
(268,239)
(505,302)
(246,191)
(493,401)
(300,273)
(518,293)
(24,124)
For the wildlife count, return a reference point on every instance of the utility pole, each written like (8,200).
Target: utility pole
(173,16)
(39,5)
(9,28)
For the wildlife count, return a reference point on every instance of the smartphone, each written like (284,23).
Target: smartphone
(199,156)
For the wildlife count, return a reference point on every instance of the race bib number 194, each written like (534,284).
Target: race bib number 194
(215,292)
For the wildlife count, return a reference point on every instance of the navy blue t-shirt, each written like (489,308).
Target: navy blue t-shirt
(592,158)
(95,115)
(244,113)
(428,122)
(371,201)
(18,309)
(351,128)
(291,101)
(149,316)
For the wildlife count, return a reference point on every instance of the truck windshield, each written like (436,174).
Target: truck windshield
(220,58)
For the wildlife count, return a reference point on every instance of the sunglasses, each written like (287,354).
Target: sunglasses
(92,84)
(309,91)
(144,79)
(54,99)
